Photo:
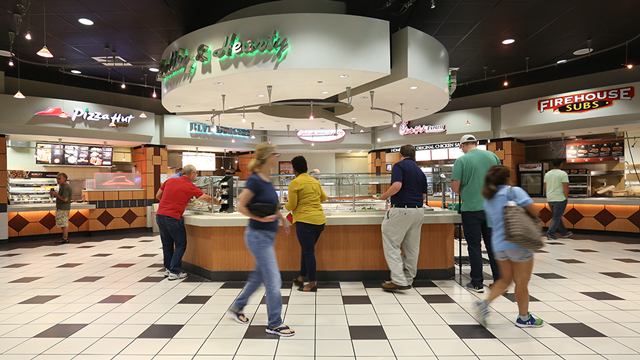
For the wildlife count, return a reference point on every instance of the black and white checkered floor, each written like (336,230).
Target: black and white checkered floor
(109,300)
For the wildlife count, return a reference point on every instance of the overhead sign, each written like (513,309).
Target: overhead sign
(58,154)
(595,151)
(321,135)
(586,101)
(448,145)
(115,119)
(420,129)
(205,129)
(181,60)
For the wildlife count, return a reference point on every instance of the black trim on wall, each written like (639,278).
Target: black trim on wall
(104,204)
(3,208)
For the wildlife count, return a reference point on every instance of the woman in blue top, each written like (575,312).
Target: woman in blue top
(260,238)
(515,262)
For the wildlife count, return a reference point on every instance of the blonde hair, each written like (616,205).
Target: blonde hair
(260,156)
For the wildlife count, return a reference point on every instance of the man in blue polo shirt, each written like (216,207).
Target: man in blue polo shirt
(402,223)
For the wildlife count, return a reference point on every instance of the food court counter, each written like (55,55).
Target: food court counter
(620,214)
(350,248)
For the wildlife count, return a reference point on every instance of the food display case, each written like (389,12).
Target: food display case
(225,196)
(31,187)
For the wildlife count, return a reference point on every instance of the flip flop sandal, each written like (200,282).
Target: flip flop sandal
(313,289)
(279,329)
(236,316)
(298,282)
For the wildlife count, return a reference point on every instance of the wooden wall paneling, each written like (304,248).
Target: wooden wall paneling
(218,249)
(13,233)
(164,168)
(93,195)
(56,230)
(139,222)
(34,216)
(117,223)
(436,247)
(95,225)
(157,160)
(125,195)
(3,177)
(139,194)
(151,194)
(566,223)
(148,153)
(140,211)
(622,211)
(111,195)
(95,213)
(164,154)
(588,223)
(34,228)
(117,212)
(3,162)
(622,225)
(3,146)
(588,210)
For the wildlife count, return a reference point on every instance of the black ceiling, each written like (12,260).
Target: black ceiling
(472,30)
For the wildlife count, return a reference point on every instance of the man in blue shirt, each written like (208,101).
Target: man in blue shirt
(179,174)
(402,223)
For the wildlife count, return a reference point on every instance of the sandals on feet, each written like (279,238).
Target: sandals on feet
(279,329)
(238,316)
(298,282)
(312,289)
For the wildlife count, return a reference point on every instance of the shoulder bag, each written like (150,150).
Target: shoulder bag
(520,227)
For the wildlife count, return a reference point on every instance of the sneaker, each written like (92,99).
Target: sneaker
(167,272)
(530,322)
(549,237)
(569,233)
(482,309)
(182,275)
(62,241)
(478,289)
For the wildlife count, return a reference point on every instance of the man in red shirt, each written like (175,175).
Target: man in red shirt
(174,195)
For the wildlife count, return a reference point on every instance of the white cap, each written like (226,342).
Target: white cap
(467,138)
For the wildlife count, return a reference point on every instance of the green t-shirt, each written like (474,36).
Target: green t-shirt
(471,169)
(555,188)
(65,192)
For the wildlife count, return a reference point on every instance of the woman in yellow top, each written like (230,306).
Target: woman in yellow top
(305,196)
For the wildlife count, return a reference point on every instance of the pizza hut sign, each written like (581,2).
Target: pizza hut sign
(587,101)
(321,135)
(115,119)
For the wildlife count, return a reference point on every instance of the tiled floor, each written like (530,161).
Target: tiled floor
(109,300)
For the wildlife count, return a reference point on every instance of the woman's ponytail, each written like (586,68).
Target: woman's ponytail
(496,176)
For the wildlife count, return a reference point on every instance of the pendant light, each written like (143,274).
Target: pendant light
(143,115)
(244,118)
(154,95)
(19,95)
(311,115)
(44,52)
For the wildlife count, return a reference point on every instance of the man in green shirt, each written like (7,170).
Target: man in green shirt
(556,184)
(469,172)
(63,206)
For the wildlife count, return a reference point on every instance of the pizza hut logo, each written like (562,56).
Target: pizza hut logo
(586,101)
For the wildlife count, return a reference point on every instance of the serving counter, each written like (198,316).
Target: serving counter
(605,214)
(350,248)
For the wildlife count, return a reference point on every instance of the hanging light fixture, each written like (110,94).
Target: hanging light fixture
(143,115)
(19,95)
(28,34)
(154,95)
(244,119)
(467,123)
(311,115)
(393,120)
(123,85)
(626,58)
(252,135)
(44,52)
(11,62)
(233,139)
(505,83)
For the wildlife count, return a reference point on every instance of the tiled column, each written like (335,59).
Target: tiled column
(4,222)
(150,161)
(511,153)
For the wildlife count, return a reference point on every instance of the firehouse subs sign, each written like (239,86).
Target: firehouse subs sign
(586,101)
(420,129)
(233,45)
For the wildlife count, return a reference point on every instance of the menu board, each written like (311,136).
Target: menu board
(595,151)
(54,154)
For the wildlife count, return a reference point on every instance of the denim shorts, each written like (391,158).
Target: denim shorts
(515,255)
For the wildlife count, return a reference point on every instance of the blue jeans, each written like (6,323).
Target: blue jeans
(172,233)
(261,243)
(475,228)
(308,235)
(557,208)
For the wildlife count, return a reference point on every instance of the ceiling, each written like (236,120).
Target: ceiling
(545,31)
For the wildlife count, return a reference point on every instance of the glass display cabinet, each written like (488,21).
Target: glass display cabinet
(224,192)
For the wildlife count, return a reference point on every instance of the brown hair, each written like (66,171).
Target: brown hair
(496,176)
(408,151)
(262,153)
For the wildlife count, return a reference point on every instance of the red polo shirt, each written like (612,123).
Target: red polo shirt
(176,193)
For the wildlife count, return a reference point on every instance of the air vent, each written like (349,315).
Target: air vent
(109,61)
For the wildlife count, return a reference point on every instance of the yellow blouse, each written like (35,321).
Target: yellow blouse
(305,196)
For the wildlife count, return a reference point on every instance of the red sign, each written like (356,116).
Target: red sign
(427,129)
(586,101)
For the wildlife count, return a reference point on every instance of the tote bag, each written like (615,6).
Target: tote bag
(520,227)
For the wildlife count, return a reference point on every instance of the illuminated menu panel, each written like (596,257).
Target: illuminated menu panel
(202,161)
(54,154)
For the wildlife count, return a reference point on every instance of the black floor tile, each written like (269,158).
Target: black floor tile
(25,280)
(152,279)
(40,299)
(633,250)
(578,330)
(367,333)
(372,284)
(145,240)
(602,296)
(14,266)
(122,265)
(116,299)
(56,254)
(193,299)
(550,276)
(438,299)
(85,247)
(355,300)
(423,283)
(571,261)
(554,243)
(149,255)
(192,278)
(285,300)
(329,284)
(586,250)
(61,331)
(472,332)
(541,252)
(232,285)
(628,261)
(618,275)
(101,255)
(160,331)
(89,279)
(258,332)
(9,255)
(286,285)
(69,265)
(156,265)
(126,247)
(512,297)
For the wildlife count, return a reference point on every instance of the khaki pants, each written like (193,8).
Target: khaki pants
(401,243)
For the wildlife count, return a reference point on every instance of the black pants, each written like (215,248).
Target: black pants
(475,228)
(308,235)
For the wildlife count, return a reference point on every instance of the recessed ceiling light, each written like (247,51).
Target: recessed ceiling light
(76,72)
(152,69)
(425,109)
(260,95)
(584,51)
(178,106)
(276,121)
(385,122)
(219,83)
(84,21)
(325,92)
(561,61)
(344,76)
(413,87)
(230,107)
(261,127)
(508,41)
(319,81)
(353,118)
(365,97)
(417,108)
